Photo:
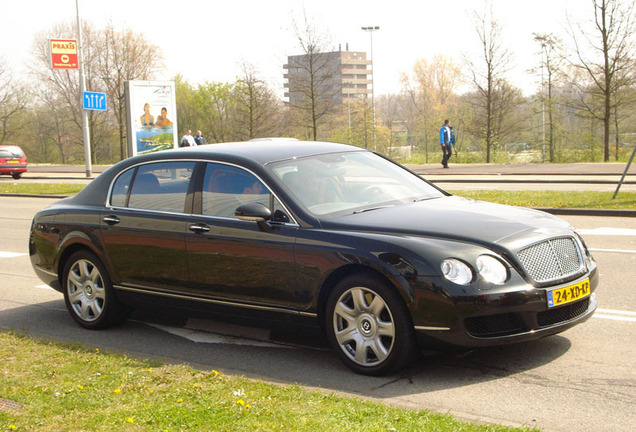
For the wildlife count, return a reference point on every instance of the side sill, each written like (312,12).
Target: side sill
(214,301)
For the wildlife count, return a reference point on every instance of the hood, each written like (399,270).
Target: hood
(457,218)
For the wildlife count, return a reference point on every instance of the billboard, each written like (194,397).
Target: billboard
(152,116)
(63,53)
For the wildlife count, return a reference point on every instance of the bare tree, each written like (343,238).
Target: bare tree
(312,90)
(125,56)
(257,107)
(66,90)
(13,101)
(606,56)
(550,47)
(492,100)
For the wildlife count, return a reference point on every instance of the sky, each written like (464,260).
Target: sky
(208,40)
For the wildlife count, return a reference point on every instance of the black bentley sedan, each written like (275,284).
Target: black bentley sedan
(327,233)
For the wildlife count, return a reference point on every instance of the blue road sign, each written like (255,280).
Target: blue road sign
(94,101)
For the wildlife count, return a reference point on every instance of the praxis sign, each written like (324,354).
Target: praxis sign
(63,53)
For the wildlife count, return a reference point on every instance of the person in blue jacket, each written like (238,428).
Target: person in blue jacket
(445,140)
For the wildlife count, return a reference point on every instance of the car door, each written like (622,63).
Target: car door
(143,227)
(235,260)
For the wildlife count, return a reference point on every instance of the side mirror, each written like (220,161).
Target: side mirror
(255,212)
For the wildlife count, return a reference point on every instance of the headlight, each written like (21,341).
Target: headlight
(491,269)
(456,271)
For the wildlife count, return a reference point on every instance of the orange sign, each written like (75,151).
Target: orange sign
(63,53)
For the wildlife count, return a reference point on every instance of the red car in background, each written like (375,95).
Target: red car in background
(13,161)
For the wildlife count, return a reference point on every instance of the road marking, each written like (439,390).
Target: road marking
(607,231)
(43,286)
(616,315)
(613,250)
(4,254)
(614,311)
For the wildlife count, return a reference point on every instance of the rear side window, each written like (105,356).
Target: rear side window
(161,186)
(121,188)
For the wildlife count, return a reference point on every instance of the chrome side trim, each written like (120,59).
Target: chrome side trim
(213,301)
(430,328)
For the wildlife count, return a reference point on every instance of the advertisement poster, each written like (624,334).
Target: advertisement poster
(152,119)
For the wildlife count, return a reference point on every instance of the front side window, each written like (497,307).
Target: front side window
(333,184)
(227,187)
(161,186)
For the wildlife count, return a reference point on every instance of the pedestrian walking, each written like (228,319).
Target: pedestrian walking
(187,140)
(445,134)
(199,138)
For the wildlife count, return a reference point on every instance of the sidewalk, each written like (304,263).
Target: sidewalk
(532,169)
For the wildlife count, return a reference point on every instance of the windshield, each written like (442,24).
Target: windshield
(341,183)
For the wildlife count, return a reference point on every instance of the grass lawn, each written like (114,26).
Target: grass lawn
(560,199)
(41,188)
(70,388)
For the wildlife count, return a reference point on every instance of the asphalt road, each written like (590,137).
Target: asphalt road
(583,379)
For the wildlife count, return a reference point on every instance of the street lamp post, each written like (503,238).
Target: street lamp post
(371,30)
(82,78)
(543,45)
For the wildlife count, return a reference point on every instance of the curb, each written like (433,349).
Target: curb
(588,212)
(519,181)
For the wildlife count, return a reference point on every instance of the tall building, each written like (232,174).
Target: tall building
(337,75)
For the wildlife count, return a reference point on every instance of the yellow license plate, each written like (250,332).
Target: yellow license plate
(13,161)
(560,296)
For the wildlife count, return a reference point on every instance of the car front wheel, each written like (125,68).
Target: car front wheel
(369,326)
(88,292)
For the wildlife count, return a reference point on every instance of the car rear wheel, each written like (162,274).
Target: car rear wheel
(16,176)
(369,326)
(88,292)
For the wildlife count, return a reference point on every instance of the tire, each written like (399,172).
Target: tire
(88,292)
(369,326)
(16,176)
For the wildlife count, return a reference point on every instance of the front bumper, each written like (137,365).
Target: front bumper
(502,318)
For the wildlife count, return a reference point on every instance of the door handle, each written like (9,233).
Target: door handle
(111,220)
(199,228)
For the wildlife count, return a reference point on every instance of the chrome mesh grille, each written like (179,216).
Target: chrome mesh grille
(551,259)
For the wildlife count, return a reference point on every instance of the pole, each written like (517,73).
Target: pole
(87,136)
(371,30)
(624,173)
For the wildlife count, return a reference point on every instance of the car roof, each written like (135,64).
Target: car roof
(262,151)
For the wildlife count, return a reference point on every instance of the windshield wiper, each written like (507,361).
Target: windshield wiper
(372,208)
(424,199)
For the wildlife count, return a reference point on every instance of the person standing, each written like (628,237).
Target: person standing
(199,139)
(187,140)
(445,142)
